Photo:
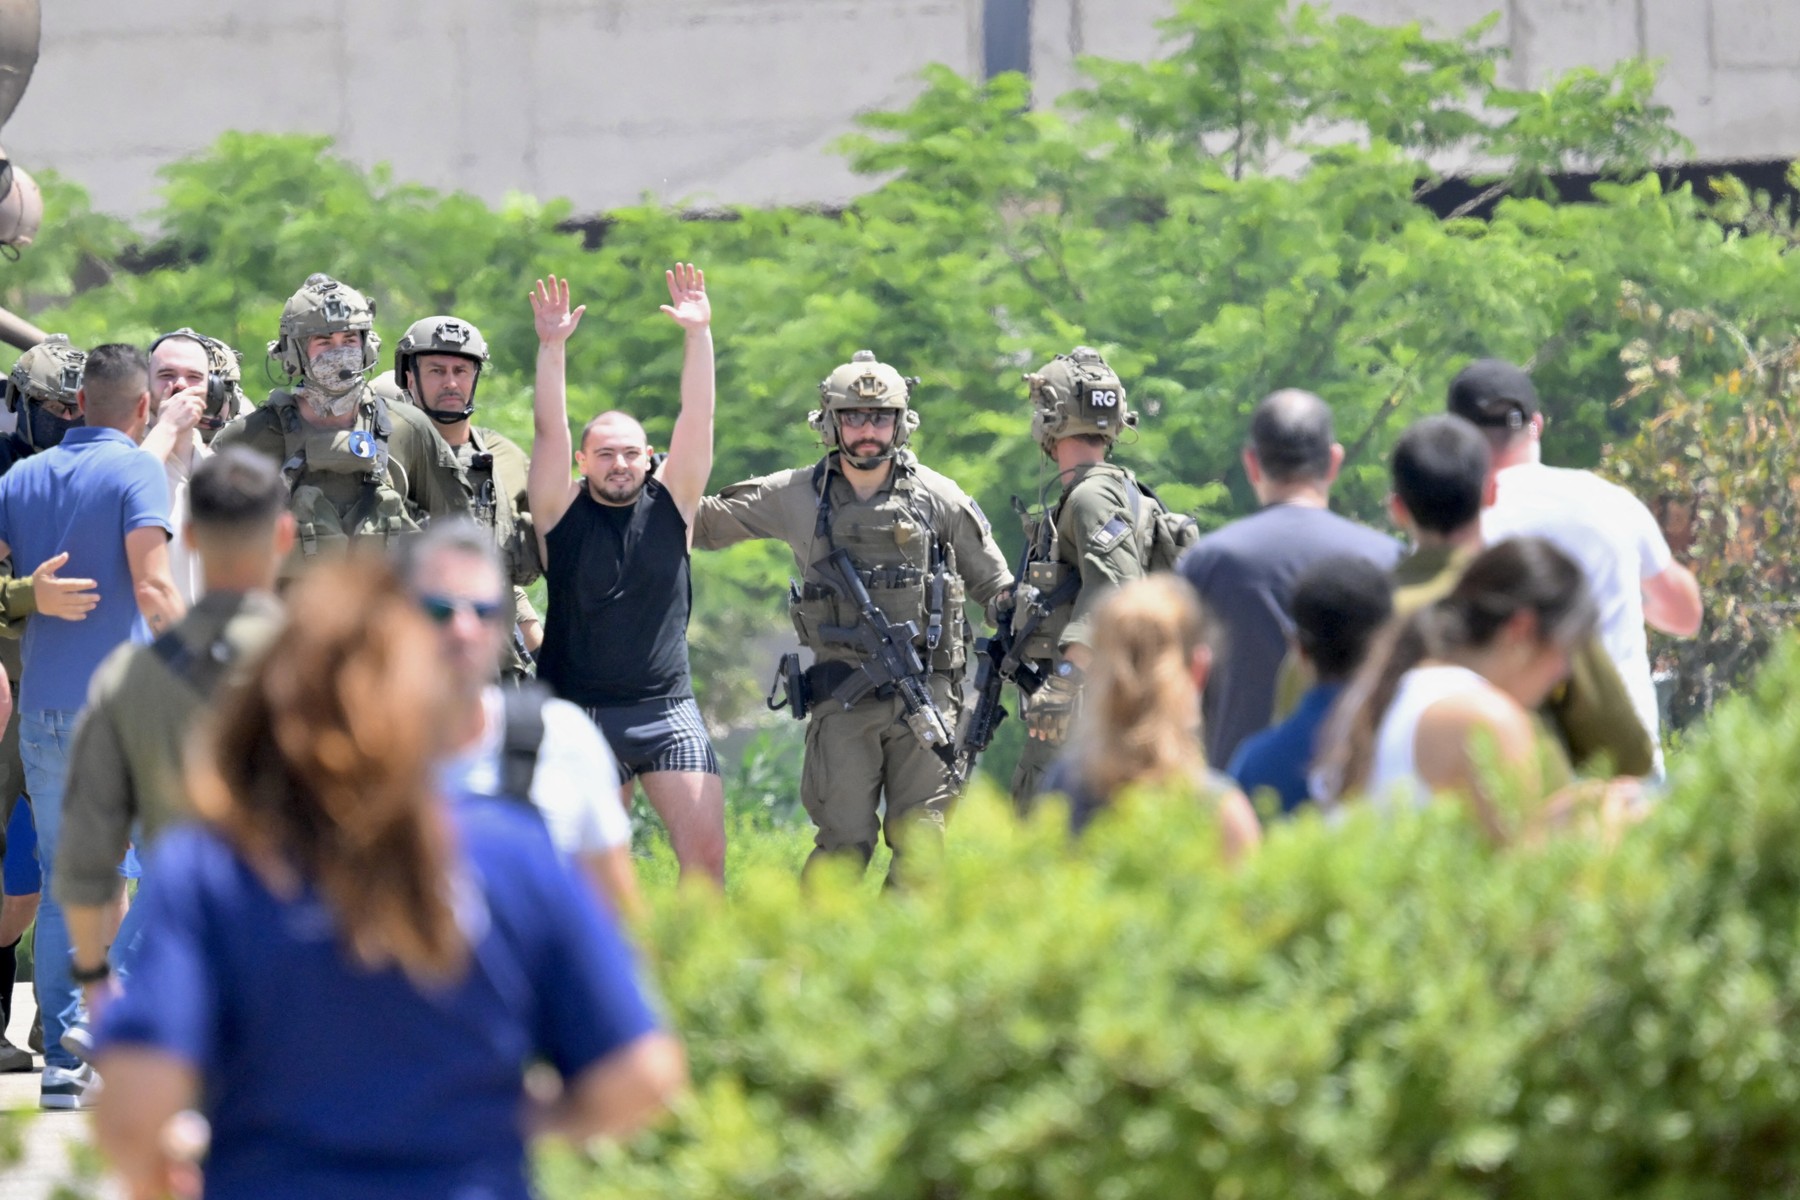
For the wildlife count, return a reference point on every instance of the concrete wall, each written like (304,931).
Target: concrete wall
(709,100)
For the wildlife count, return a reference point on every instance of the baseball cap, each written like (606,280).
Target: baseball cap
(1493,394)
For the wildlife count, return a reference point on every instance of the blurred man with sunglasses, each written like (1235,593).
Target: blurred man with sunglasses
(518,742)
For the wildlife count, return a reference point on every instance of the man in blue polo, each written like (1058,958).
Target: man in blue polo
(99,497)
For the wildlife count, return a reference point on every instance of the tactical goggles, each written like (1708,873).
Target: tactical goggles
(443,609)
(878,418)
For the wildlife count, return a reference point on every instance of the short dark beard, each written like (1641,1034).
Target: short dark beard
(600,497)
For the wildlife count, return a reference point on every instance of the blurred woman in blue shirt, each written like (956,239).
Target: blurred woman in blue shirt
(349,976)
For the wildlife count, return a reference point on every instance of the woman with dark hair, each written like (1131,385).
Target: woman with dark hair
(350,974)
(1139,723)
(1454,686)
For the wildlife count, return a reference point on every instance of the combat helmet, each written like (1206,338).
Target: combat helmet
(323,306)
(48,374)
(441,335)
(864,382)
(1077,393)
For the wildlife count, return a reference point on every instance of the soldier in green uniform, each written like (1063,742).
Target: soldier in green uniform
(437,366)
(1106,529)
(919,547)
(360,468)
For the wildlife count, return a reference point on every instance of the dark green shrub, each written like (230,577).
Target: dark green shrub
(1384,1007)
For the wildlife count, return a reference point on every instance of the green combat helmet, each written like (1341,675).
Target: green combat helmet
(864,382)
(41,389)
(323,306)
(441,335)
(1077,393)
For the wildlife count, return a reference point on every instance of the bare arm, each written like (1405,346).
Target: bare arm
(147,551)
(547,482)
(145,1090)
(1238,826)
(618,1095)
(1672,601)
(1455,740)
(691,446)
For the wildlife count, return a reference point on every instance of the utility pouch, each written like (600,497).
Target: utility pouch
(1044,641)
(789,688)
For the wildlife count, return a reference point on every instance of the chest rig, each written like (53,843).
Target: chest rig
(900,557)
(338,478)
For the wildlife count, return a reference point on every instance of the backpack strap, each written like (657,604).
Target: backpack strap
(293,439)
(522,736)
(200,671)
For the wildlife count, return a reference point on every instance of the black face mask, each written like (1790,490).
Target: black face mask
(42,429)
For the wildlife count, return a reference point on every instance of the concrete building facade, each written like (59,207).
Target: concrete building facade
(718,101)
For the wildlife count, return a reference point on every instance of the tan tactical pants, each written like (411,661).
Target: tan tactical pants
(1034,760)
(855,757)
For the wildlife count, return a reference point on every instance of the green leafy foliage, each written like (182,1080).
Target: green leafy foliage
(1385,1007)
(1237,215)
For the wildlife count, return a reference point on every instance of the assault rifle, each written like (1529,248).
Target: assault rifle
(891,665)
(999,660)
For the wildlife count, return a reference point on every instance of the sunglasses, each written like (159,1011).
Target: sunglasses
(443,609)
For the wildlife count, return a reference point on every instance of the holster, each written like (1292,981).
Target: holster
(800,690)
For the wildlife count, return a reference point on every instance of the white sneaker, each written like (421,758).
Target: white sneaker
(69,1088)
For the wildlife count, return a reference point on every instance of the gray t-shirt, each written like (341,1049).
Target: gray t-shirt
(1245,575)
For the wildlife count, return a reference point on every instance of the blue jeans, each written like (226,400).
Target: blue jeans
(44,736)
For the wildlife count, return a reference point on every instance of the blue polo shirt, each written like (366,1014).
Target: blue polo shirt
(324,1078)
(1281,756)
(82,495)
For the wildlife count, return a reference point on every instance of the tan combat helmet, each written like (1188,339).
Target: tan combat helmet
(323,306)
(864,382)
(441,335)
(47,376)
(1077,393)
(21,205)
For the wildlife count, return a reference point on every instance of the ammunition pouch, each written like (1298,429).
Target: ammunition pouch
(320,528)
(1046,620)
(901,593)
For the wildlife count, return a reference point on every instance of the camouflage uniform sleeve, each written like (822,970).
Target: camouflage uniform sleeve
(747,511)
(427,465)
(511,470)
(100,800)
(1097,536)
(255,430)
(18,600)
(978,559)
(1594,715)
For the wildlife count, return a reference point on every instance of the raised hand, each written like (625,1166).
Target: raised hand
(550,309)
(70,599)
(688,306)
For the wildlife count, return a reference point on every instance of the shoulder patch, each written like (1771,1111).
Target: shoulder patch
(986,525)
(1108,535)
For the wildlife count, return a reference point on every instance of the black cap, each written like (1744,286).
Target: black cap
(1493,394)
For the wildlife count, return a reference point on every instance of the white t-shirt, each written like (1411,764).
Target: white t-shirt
(1615,539)
(576,785)
(184,564)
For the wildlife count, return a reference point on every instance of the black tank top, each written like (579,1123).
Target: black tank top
(619,592)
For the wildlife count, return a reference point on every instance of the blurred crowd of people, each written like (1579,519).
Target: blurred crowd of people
(377,789)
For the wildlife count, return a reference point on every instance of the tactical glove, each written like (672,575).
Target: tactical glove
(1051,707)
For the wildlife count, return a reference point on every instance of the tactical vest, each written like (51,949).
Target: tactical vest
(1052,568)
(898,553)
(338,478)
(493,505)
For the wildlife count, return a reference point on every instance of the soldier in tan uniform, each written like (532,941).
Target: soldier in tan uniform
(360,467)
(437,366)
(1106,529)
(917,547)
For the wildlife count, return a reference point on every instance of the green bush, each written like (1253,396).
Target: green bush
(1384,1007)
